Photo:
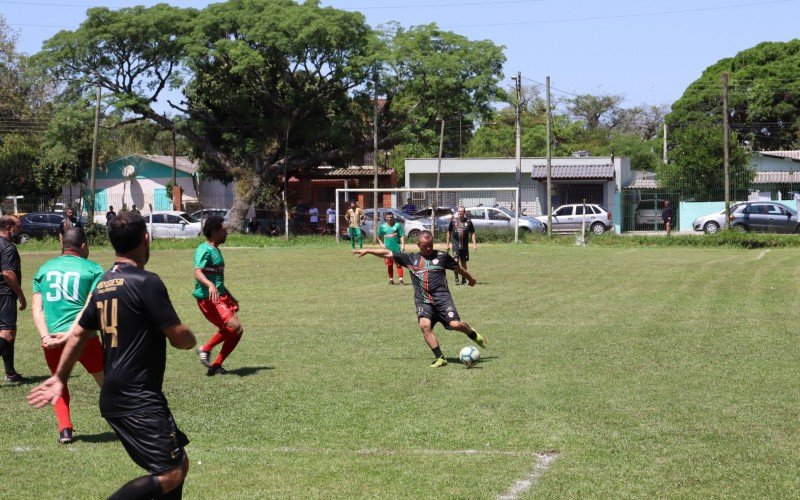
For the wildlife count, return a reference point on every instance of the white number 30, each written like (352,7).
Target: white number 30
(62,285)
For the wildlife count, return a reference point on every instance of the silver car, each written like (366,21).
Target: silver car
(568,218)
(502,218)
(411,225)
(712,223)
(764,217)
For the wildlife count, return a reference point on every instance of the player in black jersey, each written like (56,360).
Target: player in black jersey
(131,308)
(431,294)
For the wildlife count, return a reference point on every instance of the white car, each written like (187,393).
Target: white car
(173,224)
(569,218)
(502,218)
(712,223)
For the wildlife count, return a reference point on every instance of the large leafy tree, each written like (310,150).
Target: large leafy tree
(764,96)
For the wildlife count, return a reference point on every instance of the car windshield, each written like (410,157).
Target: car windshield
(188,217)
(507,211)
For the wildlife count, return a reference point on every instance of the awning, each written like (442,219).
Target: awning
(574,172)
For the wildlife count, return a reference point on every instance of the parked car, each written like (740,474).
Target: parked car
(411,225)
(765,217)
(174,224)
(501,217)
(40,224)
(208,212)
(443,216)
(648,213)
(568,218)
(712,223)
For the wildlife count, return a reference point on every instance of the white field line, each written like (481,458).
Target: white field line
(381,451)
(627,251)
(524,484)
(762,254)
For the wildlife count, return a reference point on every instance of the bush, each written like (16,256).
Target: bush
(97,234)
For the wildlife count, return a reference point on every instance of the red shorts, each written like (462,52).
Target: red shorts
(220,312)
(91,359)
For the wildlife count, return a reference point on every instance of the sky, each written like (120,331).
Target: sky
(648,52)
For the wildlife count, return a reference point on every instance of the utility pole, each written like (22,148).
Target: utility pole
(94,155)
(175,201)
(375,164)
(438,178)
(518,151)
(549,166)
(726,155)
(665,143)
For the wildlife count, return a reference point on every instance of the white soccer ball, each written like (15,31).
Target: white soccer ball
(469,356)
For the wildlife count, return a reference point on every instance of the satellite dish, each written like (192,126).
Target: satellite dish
(128,171)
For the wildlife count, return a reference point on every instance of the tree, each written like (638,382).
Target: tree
(432,74)
(593,109)
(764,100)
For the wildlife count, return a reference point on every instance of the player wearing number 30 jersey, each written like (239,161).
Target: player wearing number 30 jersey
(60,289)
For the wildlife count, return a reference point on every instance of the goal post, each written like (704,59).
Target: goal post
(424,198)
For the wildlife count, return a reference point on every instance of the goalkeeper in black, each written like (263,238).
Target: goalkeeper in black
(431,294)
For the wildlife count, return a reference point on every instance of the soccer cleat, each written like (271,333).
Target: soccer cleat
(457,282)
(14,378)
(480,340)
(391,282)
(216,370)
(65,436)
(440,362)
(402,282)
(204,356)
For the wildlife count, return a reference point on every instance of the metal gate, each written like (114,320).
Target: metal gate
(641,209)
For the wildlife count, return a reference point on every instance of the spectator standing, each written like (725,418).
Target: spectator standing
(135,210)
(110,214)
(668,216)
(409,208)
(354,217)
(313,216)
(331,213)
(69,221)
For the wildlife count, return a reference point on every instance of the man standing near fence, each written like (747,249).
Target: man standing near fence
(10,293)
(458,233)
(69,221)
(354,217)
(668,216)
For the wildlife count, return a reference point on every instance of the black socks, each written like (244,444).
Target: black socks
(7,352)
(437,351)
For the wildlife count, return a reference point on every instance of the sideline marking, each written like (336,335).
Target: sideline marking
(384,451)
(762,254)
(627,251)
(524,484)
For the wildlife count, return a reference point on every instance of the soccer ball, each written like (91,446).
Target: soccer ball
(469,356)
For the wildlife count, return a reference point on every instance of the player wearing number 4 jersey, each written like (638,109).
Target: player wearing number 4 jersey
(132,309)
(213,298)
(60,289)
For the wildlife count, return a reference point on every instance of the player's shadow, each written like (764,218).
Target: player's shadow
(103,437)
(29,380)
(484,359)
(246,371)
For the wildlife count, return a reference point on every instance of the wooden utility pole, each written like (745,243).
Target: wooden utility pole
(725,153)
(665,143)
(438,178)
(549,166)
(518,152)
(94,156)
(176,199)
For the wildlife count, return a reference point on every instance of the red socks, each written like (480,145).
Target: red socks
(213,341)
(229,344)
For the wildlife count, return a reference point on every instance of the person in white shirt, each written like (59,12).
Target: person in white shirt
(313,216)
(331,217)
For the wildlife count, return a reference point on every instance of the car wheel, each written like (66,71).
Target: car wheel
(598,228)
(711,228)
(24,238)
(524,229)
(741,228)
(413,233)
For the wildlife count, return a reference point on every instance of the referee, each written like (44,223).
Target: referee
(131,308)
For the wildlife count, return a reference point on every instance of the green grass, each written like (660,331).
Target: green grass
(652,372)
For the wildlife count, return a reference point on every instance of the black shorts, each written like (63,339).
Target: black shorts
(8,312)
(443,311)
(152,439)
(460,253)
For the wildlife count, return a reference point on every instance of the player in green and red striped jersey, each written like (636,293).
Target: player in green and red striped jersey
(431,294)
(60,290)
(215,301)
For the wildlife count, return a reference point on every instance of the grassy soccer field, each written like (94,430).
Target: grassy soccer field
(668,372)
